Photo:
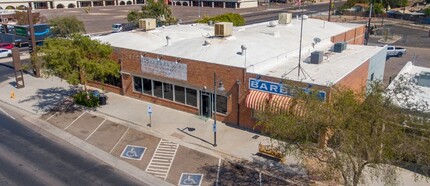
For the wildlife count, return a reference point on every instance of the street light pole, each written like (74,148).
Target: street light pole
(199,8)
(214,126)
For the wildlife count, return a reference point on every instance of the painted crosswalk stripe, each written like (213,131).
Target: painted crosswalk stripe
(162,159)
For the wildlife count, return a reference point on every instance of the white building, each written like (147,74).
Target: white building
(56,4)
(418,78)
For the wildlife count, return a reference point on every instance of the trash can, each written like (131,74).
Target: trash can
(102,99)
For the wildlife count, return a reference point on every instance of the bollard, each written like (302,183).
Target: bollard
(12,94)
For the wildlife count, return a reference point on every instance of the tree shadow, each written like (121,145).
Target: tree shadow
(256,172)
(55,99)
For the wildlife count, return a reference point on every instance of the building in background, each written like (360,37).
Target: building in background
(174,66)
(58,4)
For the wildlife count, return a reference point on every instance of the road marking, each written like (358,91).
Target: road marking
(7,114)
(119,140)
(95,130)
(75,120)
(162,160)
(217,174)
(52,116)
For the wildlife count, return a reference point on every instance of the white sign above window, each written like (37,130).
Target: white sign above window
(164,68)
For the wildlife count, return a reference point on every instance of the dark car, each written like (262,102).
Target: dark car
(6,45)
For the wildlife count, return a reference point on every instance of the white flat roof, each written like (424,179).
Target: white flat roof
(421,93)
(269,49)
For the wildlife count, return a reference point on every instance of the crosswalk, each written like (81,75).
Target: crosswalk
(162,159)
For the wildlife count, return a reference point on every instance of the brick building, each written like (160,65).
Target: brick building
(174,66)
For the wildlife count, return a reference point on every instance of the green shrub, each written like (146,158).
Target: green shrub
(427,11)
(86,99)
(236,19)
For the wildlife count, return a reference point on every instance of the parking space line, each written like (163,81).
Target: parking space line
(75,120)
(119,140)
(95,130)
(162,160)
(217,174)
(52,116)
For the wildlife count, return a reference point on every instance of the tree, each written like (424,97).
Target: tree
(361,131)
(78,59)
(153,9)
(22,18)
(236,19)
(66,26)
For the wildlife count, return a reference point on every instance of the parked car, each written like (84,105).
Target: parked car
(6,45)
(395,51)
(5,53)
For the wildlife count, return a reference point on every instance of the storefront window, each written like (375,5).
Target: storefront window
(191,97)
(137,81)
(168,91)
(158,89)
(180,94)
(221,104)
(147,86)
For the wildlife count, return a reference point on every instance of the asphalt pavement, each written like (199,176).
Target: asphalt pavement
(29,158)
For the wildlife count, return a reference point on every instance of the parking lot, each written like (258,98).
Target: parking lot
(162,158)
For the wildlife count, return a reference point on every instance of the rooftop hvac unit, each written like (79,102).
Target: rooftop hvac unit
(223,29)
(339,47)
(424,79)
(147,24)
(285,18)
(317,57)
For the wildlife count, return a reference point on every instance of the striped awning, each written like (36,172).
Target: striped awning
(283,104)
(257,100)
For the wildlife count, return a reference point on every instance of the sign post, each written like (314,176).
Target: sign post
(150,114)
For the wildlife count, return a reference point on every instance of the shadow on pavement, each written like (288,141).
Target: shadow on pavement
(53,99)
(184,130)
(256,172)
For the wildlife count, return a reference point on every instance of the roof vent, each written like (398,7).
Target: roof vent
(224,29)
(206,43)
(272,23)
(285,18)
(317,57)
(168,40)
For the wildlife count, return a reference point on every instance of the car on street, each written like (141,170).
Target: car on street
(395,51)
(5,53)
(6,45)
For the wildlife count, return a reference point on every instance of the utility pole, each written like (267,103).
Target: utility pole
(329,11)
(367,35)
(32,39)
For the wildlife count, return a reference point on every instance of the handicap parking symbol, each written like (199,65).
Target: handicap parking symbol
(190,179)
(133,152)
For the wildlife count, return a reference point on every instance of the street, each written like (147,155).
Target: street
(30,158)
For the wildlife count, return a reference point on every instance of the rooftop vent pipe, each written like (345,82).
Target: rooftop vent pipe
(168,40)
(243,49)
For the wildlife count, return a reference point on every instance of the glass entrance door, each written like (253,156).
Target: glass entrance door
(205,104)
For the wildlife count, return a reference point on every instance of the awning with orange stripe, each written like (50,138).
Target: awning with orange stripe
(257,100)
(283,104)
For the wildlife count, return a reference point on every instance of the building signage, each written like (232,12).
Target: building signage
(279,88)
(164,68)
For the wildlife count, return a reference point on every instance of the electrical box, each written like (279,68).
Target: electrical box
(317,57)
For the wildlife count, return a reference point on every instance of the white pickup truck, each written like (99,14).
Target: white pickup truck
(395,51)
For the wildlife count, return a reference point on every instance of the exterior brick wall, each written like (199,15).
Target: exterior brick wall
(357,79)
(106,87)
(353,36)
(199,77)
